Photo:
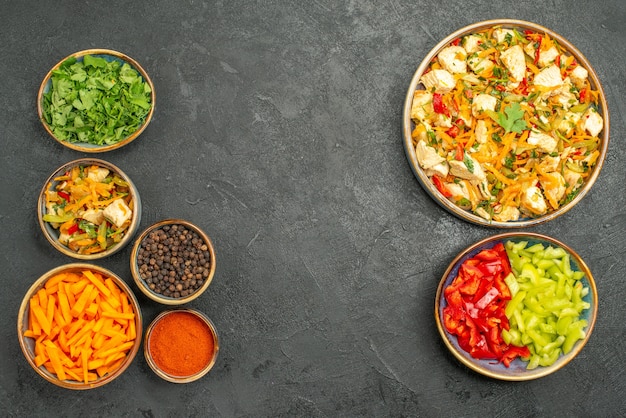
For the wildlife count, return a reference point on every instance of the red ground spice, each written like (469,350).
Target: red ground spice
(181,344)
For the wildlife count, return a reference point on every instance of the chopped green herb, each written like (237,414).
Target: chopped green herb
(512,119)
(95,101)
(468,163)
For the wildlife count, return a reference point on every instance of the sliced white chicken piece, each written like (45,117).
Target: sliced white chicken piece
(427,156)
(549,77)
(483,102)
(441,81)
(592,122)
(472,43)
(532,201)
(543,142)
(579,76)
(506,213)
(461,170)
(422,105)
(480,65)
(501,34)
(452,59)
(513,59)
(547,57)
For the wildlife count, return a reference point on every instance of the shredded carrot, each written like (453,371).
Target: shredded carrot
(76,338)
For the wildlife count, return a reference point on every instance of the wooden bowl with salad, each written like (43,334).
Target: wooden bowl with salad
(89,209)
(96,100)
(506,124)
(516,306)
(79,326)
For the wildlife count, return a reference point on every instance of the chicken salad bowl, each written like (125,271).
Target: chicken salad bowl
(506,124)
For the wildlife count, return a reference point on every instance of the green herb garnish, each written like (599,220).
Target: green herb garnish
(95,101)
(468,163)
(512,119)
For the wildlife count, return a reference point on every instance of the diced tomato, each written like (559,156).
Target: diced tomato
(456,42)
(64,195)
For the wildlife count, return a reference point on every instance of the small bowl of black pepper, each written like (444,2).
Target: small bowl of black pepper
(173,261)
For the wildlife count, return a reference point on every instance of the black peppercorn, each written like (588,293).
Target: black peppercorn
(173,260)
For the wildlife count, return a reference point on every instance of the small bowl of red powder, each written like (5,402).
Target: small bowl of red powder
(181,345)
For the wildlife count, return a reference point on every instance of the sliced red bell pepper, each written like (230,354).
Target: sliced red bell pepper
(64,195)
(72,229)
(453,131)
(440,186)
(512,353)
(476,300)
(438,104)
(460,151)
(537,51)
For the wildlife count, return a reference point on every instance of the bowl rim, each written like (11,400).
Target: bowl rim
(47,230)
(134,268)
(540,371)
(115,55)
(181,379)
(22,323)
(407,125)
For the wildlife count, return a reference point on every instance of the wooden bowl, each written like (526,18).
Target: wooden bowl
(517,370)
(79,144)
(169,299)
(52,233)
(28,345)
(152,352)
(425,180)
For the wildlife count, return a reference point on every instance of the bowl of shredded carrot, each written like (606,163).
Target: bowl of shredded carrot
(505,124)
(89,209)
(79,326)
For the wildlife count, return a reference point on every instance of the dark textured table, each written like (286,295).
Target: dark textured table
(278,131)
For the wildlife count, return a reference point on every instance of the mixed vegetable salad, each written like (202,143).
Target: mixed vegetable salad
(517,300)
(507,125)
(95,101)
(91,207)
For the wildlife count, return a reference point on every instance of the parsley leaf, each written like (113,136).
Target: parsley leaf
(512,120)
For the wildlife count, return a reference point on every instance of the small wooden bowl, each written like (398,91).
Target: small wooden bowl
(517,370)
(108,55)
(27,344)
(141,283)
(153,362)
(52,234)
